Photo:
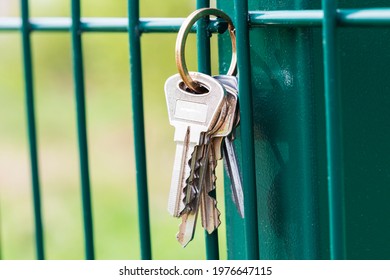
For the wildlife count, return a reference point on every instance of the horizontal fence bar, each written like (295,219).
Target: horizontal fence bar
(147,25)
(314,18)
(378,17)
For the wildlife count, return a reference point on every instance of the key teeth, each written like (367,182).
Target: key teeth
(218,213)
(215,226)
(189,184)
(193,183)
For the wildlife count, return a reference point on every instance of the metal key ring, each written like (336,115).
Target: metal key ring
(181,41)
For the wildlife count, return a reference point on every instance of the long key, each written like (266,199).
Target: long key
(231,167)
(210,215)
(228,151)
(191,115)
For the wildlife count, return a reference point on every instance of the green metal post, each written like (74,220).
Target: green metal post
(204,66)
(333,134)
(29,93)
(246,128)
(78,73)
(139,131)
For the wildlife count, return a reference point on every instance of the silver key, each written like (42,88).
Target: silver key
(191,115)
(211,218)
(209,210)
(228,151)
(231,167)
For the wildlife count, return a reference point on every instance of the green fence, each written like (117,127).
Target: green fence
(244,236)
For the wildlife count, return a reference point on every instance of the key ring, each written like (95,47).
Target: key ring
(181,41)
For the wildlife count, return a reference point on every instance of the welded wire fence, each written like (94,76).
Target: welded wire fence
(329,19)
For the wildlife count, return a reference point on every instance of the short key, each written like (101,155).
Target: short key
(228,150)
(191,114)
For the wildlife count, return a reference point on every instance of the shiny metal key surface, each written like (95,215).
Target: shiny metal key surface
(189,218)
(208,204)
(191,114)
(228,150)
(231,167)
(210,212)
(191,189)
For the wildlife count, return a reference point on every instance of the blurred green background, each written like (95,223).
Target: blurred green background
(110,137)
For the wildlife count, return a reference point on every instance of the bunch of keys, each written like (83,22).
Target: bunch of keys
(204,111)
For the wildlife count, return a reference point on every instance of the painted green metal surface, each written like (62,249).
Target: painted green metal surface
(31,125)
(307,145)
(362,17)
(204,66)
(364,60)
(246,105)
(293,135)
(139,128)
(285,141)
(78,74)
(333,124)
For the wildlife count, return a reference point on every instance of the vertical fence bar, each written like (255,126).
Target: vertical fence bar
(204,66)
(78,73)
(246,126)
(333,134)
(29,95)
(139,130)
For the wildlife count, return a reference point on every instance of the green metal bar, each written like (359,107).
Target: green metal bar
(204,66)
(333,134)
(29,95)
(78,72)
(289,18)
(161,25)
(139,131)
(246,128)
(378,17)
(146,25)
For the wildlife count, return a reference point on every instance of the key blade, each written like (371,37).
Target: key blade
(188,224)
(190,190)
(180,173)
(231,167)
(187,228)
(210,213)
